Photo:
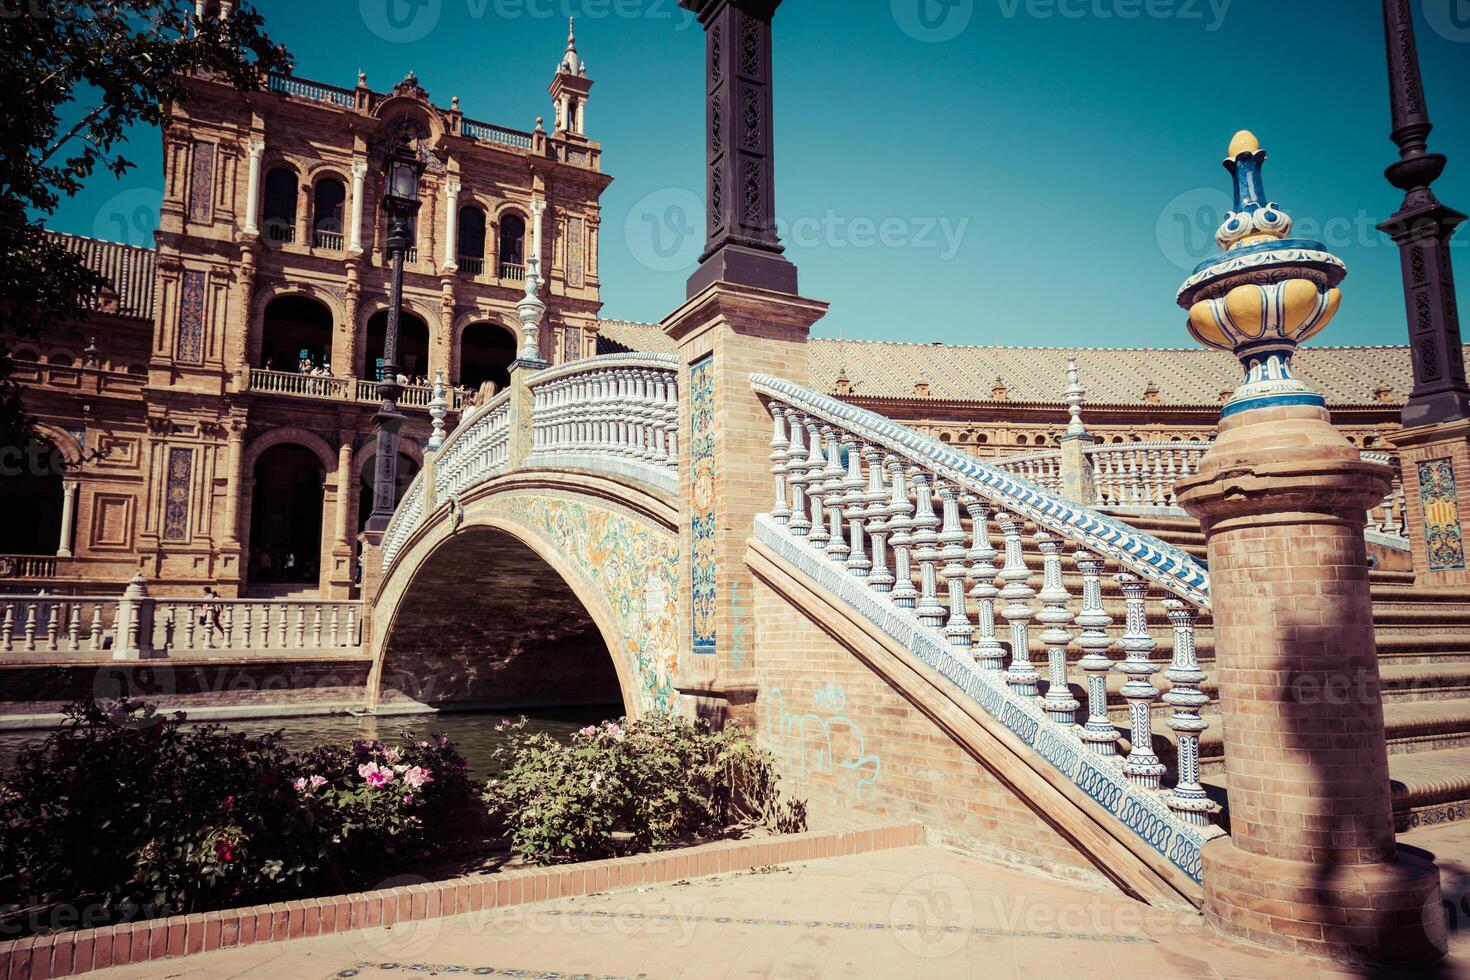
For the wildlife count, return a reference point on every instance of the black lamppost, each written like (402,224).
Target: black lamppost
(402,169)
(1422,227)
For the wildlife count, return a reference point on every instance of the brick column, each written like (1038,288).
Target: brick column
(370,551)
(1436,466)
(340,582)
(1311,862)
(725,334)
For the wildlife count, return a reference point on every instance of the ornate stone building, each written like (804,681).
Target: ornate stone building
(226,385)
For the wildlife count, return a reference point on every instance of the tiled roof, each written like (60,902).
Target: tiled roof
(1112,376)
(129,267)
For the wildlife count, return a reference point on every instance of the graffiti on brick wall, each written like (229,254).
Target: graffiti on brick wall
(1443,533)
(633,565)
(821,741)
(702,585)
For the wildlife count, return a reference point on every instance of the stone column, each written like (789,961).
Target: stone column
(340,582)
(234,451)
(451,225)
(69,490)
(538,218)
(251,224)
(354,231)
(1311,863)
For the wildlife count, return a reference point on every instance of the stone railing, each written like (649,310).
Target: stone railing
(407,516)
(476,451)
(27,566)
(1141,475)
(1043,469)
(314,91)
(617,413)
(490,133)
(900,526)
(137,626)
(296,385)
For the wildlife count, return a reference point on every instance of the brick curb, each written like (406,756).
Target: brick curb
(68,954)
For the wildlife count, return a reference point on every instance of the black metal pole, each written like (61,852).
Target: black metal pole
(388,418)
(1422,227)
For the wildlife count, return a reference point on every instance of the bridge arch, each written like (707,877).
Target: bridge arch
(564,587)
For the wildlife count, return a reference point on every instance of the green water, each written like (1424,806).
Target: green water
(473,734)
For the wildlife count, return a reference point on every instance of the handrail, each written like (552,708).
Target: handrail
(652,361)
(1163,564)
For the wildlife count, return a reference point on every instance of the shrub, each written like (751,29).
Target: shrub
(129,814)
(625,787)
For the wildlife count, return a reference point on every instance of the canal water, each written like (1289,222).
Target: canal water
(473,733)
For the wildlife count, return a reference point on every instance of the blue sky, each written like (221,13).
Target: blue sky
(966,171)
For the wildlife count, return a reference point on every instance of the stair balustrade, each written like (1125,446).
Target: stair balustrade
(476,451)
(942,514)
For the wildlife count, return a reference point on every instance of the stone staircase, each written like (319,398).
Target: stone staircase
(1424,667)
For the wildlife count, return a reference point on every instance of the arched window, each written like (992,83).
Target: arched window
(486,351)
(470,249)
(60,360)
(279,218)
(513,247)
(25,354)
(296,335)
(413,347)
(1020,440)
(326,213)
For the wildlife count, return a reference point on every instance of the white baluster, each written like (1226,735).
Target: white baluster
(53,626)
(900,522)
(283,624)
(94,633)
(1142,766)
(926,552)
(316,627)
(335,627)
(855,509)
(189,617)
(879,578)
(352,637)
(1058,704)
(1017,612)
(74,627)
(834,479)
(781,512)
(30,627)
(795,468)
(989,654)
(7,627)
(247,620)
(299,634)
(816,462)
(1098,734)
(1188,798)
(952,552)
(229,627)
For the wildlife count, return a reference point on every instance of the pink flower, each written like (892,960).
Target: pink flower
(375,774)
(589,730)
(392,755)
(299,784)
(417,777)
(408,798)
(304,785)
(316,782)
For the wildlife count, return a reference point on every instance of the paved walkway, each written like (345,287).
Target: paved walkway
(917,912)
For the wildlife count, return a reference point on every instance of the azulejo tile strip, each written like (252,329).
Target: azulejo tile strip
(189,345)
(176,495)
(1171,569)
(635,567)
(703,587)
(1102,779)
(1443,533)
(435,969)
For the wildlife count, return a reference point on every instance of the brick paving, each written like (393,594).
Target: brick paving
(912,912)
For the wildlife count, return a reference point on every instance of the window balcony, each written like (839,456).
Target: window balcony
(512,272)
(279,232)
(329,240)
(473,265)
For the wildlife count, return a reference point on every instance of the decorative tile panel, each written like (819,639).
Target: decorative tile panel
(176,495)
(702,586)
(1443,534)
(576,252)
(189,348)
(201,184)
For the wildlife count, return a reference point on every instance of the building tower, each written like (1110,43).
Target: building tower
(569,89)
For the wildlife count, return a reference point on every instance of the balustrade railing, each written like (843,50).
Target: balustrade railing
(329,240)
(617,412)
(315,91)
(471,265)
(906,530)
(490,133)
(1043,469)
(359,389)
(512,272)
(407,516)
(476,451)
(27,566)
(1142,474)
(88,625)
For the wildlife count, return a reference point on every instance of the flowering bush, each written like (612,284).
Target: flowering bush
(623,787)
(131,814)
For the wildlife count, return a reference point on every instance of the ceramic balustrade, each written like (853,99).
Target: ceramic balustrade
(853,488)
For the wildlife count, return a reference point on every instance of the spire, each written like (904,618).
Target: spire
(571,62)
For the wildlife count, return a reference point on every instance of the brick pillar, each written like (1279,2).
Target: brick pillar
(370,550)
(1077,482)
(340,581)
(1436,466)
(1311,863)
(725,334)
